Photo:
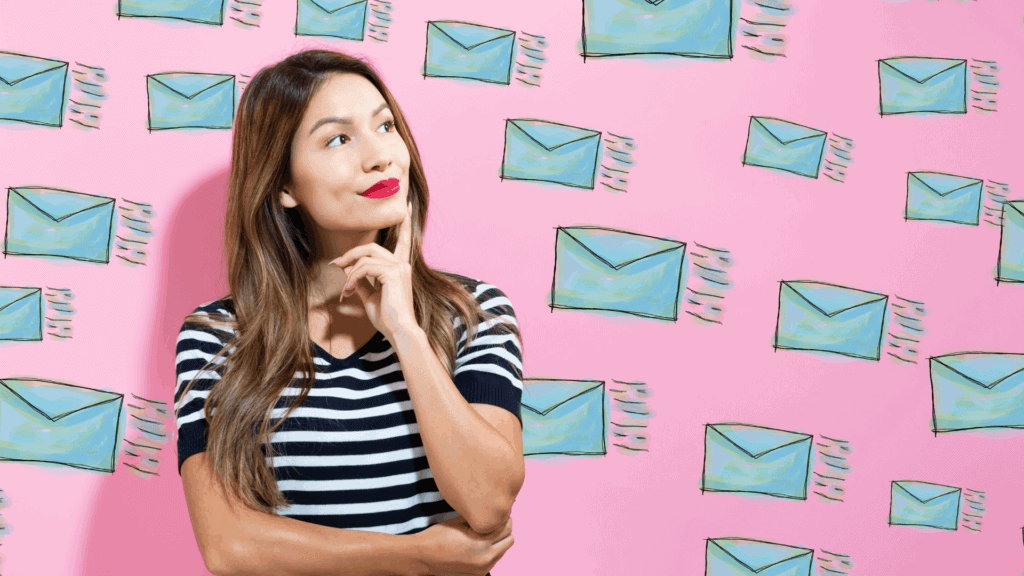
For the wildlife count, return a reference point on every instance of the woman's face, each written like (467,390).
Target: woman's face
(347,144)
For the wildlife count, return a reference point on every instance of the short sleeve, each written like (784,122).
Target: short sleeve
(196,345)
(490,369)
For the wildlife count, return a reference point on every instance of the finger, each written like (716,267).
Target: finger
(369,269)
(362,251)
(403,249)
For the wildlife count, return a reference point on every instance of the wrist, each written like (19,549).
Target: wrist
(407,336)
(413,555)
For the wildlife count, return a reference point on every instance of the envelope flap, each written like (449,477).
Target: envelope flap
(16,67)
(786,132)
(758,555)
(925,491)
(543,396)
(10,295)
(59,204)
(943,184)
(190,84)
(832,299)
(551,135)
(618,248)
(469,35)
(332,6)
(984,368)
(1015,205)
(922,69)
(757,440)
(54,399)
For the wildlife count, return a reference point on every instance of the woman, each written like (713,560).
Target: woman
(345,409)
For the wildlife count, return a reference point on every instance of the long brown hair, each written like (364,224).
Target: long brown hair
(270,254)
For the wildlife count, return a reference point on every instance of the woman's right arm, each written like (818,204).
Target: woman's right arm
(239,540)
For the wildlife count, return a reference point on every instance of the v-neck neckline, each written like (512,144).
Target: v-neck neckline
(351,358)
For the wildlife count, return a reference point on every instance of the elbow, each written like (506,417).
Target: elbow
(221,559)
(495,516)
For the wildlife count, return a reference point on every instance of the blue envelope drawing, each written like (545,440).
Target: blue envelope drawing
(334,18)
(469,51)
(822,317)
(782,145)
(58,223)
(191,100)
(542,151)
(688,28)
(32,90)
(913,84)
(756,460)
(21,314)
(44,421)
(945,197)
(747,557)
(1010,265)
(198,11)
(563,417)
(916,503)
(606,269)
(973,390)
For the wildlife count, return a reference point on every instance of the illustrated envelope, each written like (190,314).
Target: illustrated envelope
(1010,266)
(21,313)
(689,28)
(469,51)
(190,100)
(563,417)
(606,269)
(910,84)
(199,11)
(945,197)
(542,151)
(335,18)
(782,145)
(977,390)
(58,223)
(756,460)
(44,421)
(746,557)
(916,503)
(32,90)
(822,317)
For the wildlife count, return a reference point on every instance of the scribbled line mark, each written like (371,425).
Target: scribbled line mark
(705,295)
(379,20)
(150,418)
(245,13)
(59,312)
(5,528)
(984,85)
(243,81)
(629,407)
(972,509)
(87,96)
(838,158)
(906,328)
(134,232)
(761,28)
(616,162)
(996,193)
(833,563)
(530,59)
(831,469)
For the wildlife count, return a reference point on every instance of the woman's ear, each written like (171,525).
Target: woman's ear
(287,200)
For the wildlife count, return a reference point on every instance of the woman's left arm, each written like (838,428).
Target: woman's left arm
(475,451)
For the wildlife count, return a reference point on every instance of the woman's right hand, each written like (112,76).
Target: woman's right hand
(452,548)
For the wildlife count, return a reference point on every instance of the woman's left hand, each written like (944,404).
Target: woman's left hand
(390,305)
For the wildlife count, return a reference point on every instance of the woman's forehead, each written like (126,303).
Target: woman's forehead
(345,94)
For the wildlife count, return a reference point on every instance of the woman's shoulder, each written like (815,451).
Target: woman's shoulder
(482,290)
(212,316)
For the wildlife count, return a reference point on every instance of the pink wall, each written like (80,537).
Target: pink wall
(617,514)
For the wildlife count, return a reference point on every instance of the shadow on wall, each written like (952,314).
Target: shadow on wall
(140,524)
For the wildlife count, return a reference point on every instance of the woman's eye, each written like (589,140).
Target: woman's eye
(341,138)
(390,125)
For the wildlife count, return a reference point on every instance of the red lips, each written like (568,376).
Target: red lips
(382,189)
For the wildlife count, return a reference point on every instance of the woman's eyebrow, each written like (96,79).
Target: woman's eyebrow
(345,120)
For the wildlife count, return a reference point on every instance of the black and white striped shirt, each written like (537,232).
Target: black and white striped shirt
(351,455)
